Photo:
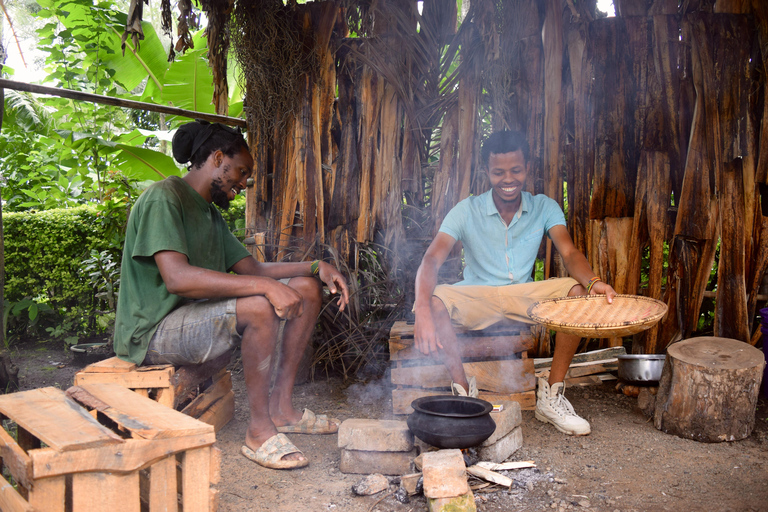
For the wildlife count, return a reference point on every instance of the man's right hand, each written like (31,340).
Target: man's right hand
(288,303)
(424,334)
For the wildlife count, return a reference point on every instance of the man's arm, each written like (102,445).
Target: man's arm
(426,279)
(183,279)
(327,273)
(576,264)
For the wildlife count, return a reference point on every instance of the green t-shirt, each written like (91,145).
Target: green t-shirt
(169,216)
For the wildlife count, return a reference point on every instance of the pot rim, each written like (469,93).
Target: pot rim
(417,405)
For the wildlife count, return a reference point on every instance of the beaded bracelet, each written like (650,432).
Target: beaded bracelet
(592,283)
(314,267)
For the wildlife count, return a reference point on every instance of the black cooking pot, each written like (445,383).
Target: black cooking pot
(451,421)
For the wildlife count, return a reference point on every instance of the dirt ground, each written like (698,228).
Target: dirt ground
(624,465)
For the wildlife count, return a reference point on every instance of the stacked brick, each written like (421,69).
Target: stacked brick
(376,446)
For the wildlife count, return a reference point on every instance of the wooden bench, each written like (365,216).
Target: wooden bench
(202,391)
(497,357)
(103,448)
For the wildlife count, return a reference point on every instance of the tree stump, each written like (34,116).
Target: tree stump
(708,389)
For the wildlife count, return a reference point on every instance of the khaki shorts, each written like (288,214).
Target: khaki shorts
(477,307)
(194,333)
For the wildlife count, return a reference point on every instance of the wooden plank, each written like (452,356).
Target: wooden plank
(111,365)
(502,376)
(164,396)
(204,400)
(215,465)
(221,412)
(13,457)
(48,494)
(143,417)
(162,485)
(582,369)
(584,357)
(133,455)
(195,474)
(469,346)
(11,500)
(146,379)
(187,378)
(53,418)
(105,492)
(403,330)
(402,398)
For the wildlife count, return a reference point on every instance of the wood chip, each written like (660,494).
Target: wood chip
(505,466)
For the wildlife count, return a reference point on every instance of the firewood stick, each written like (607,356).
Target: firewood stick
(490,476)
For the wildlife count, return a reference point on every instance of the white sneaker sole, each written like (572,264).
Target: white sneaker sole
(539,416)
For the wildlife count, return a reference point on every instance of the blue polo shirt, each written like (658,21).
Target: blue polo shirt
(496,254)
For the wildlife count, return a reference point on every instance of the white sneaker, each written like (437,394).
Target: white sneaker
(458,389)
(552,407)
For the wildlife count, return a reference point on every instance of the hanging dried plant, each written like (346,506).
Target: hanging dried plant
(271,47)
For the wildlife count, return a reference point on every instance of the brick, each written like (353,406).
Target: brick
(365,462)
(445,474)
(506,421)
(503,448)
(410,482)
(375,435)
(463,503)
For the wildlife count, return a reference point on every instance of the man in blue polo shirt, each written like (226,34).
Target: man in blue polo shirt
(500,232)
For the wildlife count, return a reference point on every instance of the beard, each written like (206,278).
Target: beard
(219,196)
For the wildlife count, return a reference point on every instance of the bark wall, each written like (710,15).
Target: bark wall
(656,120)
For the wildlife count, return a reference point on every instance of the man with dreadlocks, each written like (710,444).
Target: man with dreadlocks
(501,231)
(179,304)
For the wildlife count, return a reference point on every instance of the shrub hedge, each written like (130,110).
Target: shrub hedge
(45,260)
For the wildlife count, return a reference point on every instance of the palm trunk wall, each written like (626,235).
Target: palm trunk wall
(656,120)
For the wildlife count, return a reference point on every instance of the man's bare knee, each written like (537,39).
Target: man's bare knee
(256,310)
(438,308)
(577,289)
(309,288)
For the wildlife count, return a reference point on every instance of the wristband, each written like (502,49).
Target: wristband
(592,283)
(314,267)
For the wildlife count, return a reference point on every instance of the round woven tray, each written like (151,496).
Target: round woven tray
(591,316)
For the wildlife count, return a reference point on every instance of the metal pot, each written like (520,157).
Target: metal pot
(641,367)
(451,421)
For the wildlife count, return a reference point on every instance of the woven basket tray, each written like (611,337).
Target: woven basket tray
(591,316)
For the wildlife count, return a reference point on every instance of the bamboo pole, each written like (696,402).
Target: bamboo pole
(118,102)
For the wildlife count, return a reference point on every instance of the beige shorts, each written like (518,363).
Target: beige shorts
(477,307)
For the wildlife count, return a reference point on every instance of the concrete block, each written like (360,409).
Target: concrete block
(463,503)
(506,420)
(503,448)
(445,474)
(366,462)
(375,435)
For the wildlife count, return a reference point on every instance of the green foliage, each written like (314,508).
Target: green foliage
(44,265)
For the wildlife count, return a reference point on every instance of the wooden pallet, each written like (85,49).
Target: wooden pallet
(177,388)
(497,357)
(103,448)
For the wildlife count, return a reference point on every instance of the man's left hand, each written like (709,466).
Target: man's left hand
(601,288)
(336,283)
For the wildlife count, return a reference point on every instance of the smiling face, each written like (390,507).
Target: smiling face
(507,173)
(230,177)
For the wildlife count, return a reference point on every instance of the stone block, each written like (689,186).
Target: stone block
(463,503)
(503,448)
(410,483)
(375,435)
(445,474)
(367,462)
(506,420)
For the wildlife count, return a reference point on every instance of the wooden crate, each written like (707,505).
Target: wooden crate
(178,388)
(497,357)
(104,448)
